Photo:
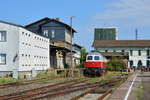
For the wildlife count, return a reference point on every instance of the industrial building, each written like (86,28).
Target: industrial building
(106,33)
(22,51)
(135,52)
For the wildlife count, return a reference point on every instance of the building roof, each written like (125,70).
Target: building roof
(48,20)
(120,43)
(77,45)
(9,23)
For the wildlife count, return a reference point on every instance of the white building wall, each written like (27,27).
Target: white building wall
(31,50)
(10,47)
(34,51)
(135,57)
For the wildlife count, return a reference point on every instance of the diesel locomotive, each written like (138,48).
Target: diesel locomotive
(95,64)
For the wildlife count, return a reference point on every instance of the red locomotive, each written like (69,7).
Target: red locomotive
(95,64)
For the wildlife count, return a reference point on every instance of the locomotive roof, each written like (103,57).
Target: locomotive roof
(94,53)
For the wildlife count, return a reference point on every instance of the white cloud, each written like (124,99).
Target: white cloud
(126,13)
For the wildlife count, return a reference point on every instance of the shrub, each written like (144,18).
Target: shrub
(116,64)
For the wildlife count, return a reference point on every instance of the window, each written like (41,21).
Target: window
(45,33)
(89,58)
(139,64)
(53,33)
(131,53)
(2,58)
(131,63)
(96,58)
(139,52)
(148,53)
(148,64)
(2,36)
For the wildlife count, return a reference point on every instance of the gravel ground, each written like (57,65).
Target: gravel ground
(68,96)
(32,86)
(90,96)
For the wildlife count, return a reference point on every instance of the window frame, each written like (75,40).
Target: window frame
(4,58)
(131,52)
(139,52)
(5,38)
(148,52)
(52,33)
(45,32)
(97,59)
(89,59)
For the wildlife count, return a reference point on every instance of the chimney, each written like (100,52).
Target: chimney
(57,19)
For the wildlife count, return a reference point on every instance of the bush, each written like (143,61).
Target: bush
(116,64)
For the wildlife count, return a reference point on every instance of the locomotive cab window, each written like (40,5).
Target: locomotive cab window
(96,58)
(89,58)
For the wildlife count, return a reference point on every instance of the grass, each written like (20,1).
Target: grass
(52,74)
(139,91)
(5,80)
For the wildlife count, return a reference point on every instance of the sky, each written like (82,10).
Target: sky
(127,15)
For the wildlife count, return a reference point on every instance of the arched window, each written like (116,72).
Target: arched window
(148,63)
(131,63)
(139,65)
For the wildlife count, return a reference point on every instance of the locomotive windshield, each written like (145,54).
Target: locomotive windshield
(89,57)
(96,58)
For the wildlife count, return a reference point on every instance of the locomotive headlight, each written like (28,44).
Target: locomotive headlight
(92,62)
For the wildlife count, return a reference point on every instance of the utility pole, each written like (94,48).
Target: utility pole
(136,34)
(71,32)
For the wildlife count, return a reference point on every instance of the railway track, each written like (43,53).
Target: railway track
(102,90)
(15,84)
(28,94)
(62,89)
(23,83)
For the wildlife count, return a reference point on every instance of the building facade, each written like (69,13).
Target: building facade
(106,33)
(22,50)
(137,52)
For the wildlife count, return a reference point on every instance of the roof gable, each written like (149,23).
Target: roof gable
(47,20)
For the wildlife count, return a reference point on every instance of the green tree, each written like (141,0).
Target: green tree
(116,64)
(83,54)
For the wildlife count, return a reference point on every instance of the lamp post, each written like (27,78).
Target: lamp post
(71,32)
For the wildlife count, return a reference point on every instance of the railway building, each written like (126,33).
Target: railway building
(60,37)
(22,51)
(135,52)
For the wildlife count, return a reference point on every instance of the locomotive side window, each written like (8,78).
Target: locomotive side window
(96,58)
(89,58)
